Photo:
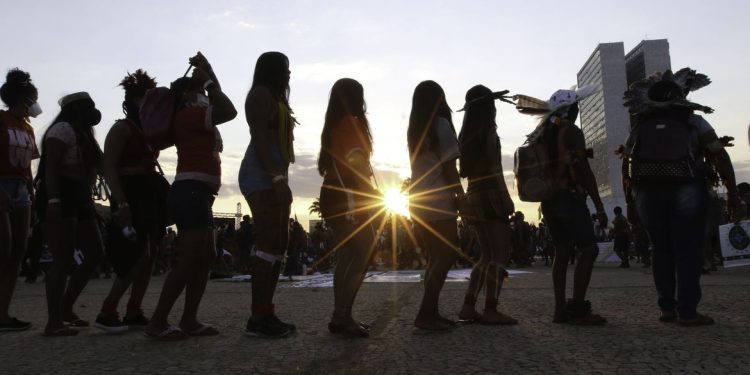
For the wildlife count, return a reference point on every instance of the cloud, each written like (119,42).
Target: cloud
(246,25)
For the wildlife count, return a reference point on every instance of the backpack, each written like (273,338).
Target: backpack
(534,167)
(156,117)
(662,151)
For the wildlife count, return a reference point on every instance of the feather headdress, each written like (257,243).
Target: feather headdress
(664,90)
(501,95)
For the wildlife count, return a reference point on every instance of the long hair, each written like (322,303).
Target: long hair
(91,153)
(346,99)
(428,103)
(272,72)
(135,86)
(17,87)
(479,124)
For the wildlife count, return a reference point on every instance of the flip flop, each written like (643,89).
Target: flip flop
(203,330)
(171,333)
(60,332)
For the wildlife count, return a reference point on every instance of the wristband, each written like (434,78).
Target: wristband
(207,84)
(54,200)
(278,178)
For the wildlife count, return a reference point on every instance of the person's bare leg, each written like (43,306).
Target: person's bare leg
(196,284)
(141,278)
(89,241)
(583,271)
(14,229)
(559,276)
(442,256)
(499,236)
(60,238)
(188,253)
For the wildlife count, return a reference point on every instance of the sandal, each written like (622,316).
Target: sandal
(203,330)
(60,332)
(699,320)
(171,333)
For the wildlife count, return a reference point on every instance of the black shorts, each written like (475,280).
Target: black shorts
(569,220)
(147,202)
(190,203)
(77,199)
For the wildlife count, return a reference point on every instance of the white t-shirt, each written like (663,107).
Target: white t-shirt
(64,132)
(427,175)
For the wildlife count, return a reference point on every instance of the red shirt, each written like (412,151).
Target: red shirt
(17,138)
(198,145)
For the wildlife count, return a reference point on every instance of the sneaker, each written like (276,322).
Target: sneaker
(266,327)
(276,320)
(135,320)
(110,324)
(14,325)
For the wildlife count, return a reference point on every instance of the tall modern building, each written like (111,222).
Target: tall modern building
(605,122)
(648,57)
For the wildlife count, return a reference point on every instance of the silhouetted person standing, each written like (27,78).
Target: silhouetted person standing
(347,198)
(621,236)
(665,160)
(19,148)
(436,185)
(191,197)
(566,213)
(487,193)
(264,181)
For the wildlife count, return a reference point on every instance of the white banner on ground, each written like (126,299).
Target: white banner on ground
(607,253)
(735,244)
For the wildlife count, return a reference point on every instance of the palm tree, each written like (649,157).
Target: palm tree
(405,185)
(315,207)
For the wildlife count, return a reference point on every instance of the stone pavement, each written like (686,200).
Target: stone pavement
(633,342)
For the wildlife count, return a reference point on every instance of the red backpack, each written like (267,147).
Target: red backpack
(156,117)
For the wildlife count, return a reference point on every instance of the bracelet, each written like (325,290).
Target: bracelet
(208,83)
(278,178)
(54,200)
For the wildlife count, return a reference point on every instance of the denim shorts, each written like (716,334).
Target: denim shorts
(190,203)
(17,192)
(569,220)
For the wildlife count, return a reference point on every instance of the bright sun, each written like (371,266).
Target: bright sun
(396,202)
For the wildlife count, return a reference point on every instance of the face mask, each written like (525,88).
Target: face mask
(92,117)
(201,101)
(35,109)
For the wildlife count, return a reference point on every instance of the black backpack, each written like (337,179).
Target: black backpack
(662,151)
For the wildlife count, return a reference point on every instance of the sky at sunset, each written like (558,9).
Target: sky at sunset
(532,47)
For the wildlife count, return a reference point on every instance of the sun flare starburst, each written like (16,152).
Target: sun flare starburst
(396,202)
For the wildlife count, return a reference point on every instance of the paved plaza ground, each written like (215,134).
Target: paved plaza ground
(633,341)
